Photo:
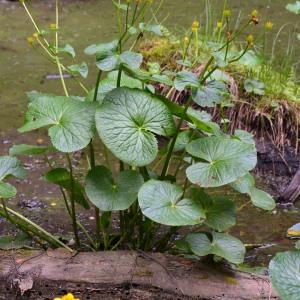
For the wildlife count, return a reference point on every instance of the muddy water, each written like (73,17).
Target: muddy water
(83,23)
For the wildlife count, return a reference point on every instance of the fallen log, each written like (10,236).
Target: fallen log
(122,275)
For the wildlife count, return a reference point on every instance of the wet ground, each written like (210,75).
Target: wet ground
(83,23)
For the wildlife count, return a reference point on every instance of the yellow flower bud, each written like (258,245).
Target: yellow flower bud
(186,40)
(254,13)
(195,26)
(219,25)
(53,26)
(30,40)
(35,35)
(227,13)
(269,25)
(250,39)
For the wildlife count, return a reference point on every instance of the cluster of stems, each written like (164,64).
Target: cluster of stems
(136,230)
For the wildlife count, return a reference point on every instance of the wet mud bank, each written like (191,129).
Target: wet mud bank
(122,275)
(276,167)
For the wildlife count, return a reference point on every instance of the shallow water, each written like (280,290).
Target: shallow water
(84,23)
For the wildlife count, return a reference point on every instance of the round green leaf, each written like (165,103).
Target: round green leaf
(72,121)
(254,86)
(162,202)
(127,122)
(7,190)
(244,184)
(202,121)
(211,94)
(262,199)
(110,195)
(284,271)
(102,48)
(185,79)
(9,166)
(294,7)
(199,243)
(131,59)
(220,212)
(224,160)
(223,245)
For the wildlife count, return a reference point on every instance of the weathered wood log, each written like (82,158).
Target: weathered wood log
(292,192)
(122,275)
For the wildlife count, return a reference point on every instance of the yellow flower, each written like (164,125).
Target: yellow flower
(219,25)
(195,26)
(35,35)
(53,26)
(227,13)
(254,13)
(186,40)
(30,40)
(269,25)
(250,39)
(69,296)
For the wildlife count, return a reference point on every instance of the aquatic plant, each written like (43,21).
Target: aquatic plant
(147,134)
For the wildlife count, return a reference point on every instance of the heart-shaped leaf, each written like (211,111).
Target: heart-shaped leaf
(102,48)
(214,92)
(284,272)
(224,160)
(259,198)
(127,122)
(244,136)
(81,69)
(131,59)
(153,28)
(294,7)
(185,79)
(162,202)
(222,245)
(220,212)
(61,177)
(254,86)
(7,190)
(67,49)
(244,184)
(262,199)
(9,166)
(202,121)
(109,194)
(72,121)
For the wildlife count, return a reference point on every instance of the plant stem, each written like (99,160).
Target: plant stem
(36,229)
(171,148)
(72,200)
(56,50)
(97,86)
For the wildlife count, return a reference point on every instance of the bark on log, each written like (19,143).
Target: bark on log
(122,275)
(292,192)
